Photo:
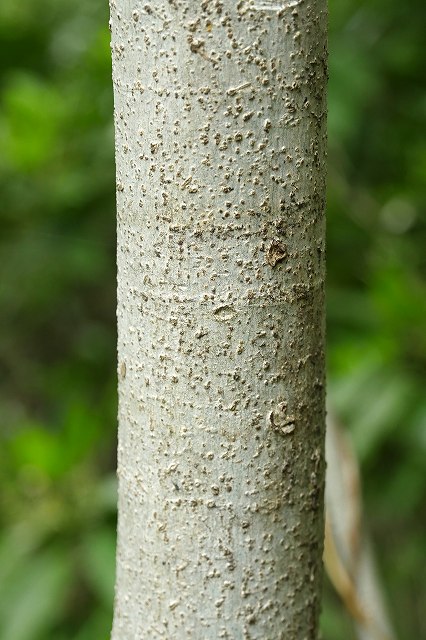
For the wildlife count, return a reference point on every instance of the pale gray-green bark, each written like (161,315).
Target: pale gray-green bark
(220,144)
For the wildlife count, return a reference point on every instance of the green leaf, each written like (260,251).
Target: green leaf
(36,596)
(99,563)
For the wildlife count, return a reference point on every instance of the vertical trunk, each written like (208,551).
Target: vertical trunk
(220,138)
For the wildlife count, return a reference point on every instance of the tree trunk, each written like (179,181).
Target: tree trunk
(220,144)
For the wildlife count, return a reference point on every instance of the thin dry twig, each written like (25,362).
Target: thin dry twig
(347,554)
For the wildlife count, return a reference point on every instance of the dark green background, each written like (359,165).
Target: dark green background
(57,306)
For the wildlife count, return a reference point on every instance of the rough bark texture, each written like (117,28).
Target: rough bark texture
(220,138)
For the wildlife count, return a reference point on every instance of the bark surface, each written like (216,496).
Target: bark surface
(220,145)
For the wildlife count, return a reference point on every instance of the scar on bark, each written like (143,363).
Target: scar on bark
(276,252)
(197,46)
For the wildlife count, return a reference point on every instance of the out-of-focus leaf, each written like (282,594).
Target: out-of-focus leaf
(36,596)
(38,447)
(99,564)
(97,626)
(32,117)
(374,399)
(15,547)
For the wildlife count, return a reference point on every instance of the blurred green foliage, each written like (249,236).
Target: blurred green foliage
(57,300)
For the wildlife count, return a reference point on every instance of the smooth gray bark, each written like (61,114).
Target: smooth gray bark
(220,144)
